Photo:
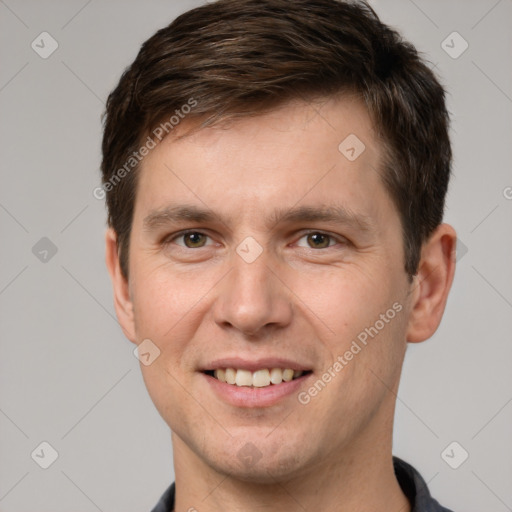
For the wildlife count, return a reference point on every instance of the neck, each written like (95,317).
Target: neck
(356,480)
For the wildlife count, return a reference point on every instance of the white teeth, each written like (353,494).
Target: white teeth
(220,374)
(230,375)
(243,378)
(259,379)
(288,375)
(276,376)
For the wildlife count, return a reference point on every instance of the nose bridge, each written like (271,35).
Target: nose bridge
(252,297)
(252,279)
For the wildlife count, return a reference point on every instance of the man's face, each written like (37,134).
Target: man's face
(267,283)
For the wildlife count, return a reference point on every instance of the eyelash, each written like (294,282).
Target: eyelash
(338,239)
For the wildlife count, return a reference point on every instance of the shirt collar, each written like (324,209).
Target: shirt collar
(415,488)
(411,482)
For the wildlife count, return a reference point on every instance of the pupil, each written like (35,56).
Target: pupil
(319,240)
(194,239)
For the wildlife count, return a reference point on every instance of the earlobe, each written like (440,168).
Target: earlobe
(122,300)
(432,284)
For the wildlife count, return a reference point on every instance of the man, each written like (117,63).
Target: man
(275,174)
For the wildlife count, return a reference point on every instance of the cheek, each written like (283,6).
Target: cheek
(169,308)
(166,390)
(348,300)
(164,301)
(363,318)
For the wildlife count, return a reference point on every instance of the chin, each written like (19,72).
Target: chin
(261,464)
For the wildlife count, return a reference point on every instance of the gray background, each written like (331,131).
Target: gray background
(68,376)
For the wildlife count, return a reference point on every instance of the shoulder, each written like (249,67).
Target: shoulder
(415,488)
(166,502)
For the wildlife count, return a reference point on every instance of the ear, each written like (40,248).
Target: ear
(432,283)
(122,300)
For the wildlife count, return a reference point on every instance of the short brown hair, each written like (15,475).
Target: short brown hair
(237,58)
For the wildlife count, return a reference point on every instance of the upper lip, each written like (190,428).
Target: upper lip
(255,364)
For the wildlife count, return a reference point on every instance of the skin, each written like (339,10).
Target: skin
(296,300)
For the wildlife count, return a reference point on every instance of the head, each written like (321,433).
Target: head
(304,147)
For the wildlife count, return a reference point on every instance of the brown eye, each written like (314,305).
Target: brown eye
(193,240)
(318,240)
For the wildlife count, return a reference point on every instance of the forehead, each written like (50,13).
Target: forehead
(299,153)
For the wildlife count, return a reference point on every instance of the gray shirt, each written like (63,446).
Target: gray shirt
(411,482)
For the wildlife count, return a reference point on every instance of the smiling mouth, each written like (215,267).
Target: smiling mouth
(259,379)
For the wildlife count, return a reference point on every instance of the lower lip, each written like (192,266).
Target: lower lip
(246,396)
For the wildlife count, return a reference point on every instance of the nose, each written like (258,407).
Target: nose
(252,299)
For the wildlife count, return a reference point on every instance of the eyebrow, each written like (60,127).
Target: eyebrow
(192,213)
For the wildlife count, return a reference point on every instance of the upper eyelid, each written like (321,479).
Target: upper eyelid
(179,234)
(337,238)
(303,233)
